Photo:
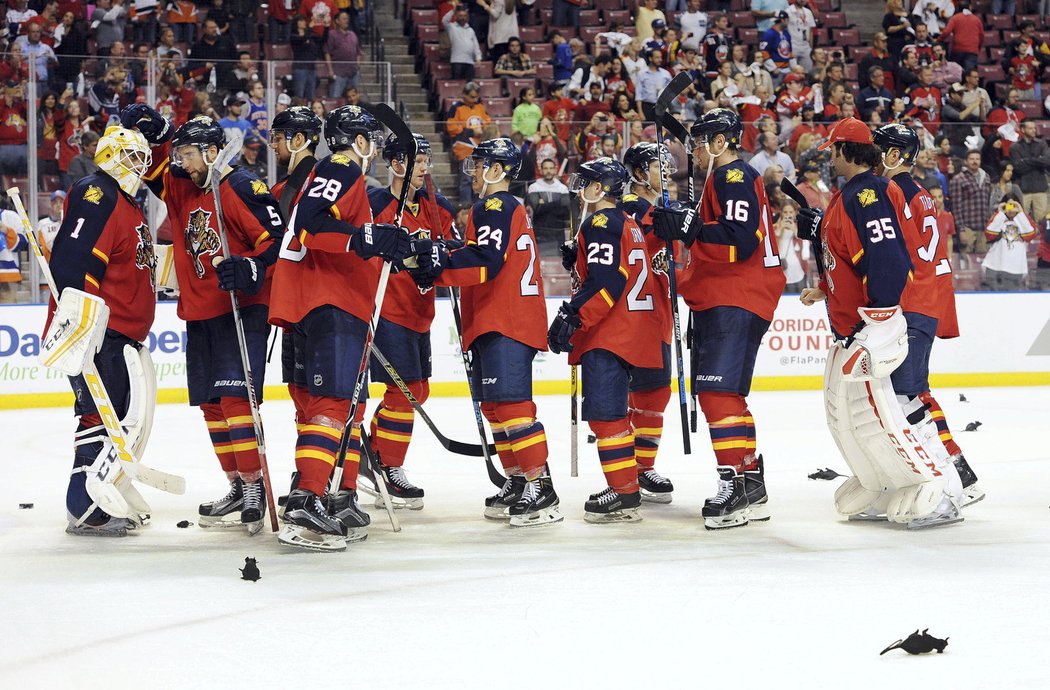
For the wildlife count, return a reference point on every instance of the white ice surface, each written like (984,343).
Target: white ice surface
(454,601)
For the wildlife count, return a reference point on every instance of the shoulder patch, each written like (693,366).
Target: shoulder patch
(599,220)
(734,175)
(494,204)
(259,187)
(628,198)
(867,197)
(340,159)
(93,194)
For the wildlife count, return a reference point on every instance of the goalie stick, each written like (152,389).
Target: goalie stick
(121,456)
(223,159)
(680,83)
(679,132)
(388,118)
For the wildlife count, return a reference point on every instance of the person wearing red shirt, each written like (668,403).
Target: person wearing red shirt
(559,109)
(923,101)
(965,36)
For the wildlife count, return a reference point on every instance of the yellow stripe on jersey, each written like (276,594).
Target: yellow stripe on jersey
(606,296)
(623,270)
(101,254)
(262,238)
(91,279)
(732,253)
(335,212)
(856,257)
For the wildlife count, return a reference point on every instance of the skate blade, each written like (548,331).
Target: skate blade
(300,537)
(501,513)
(87,531)
(625,515)
(212,522)
(867,517)
(653,497)
(541,518)
(928,523)
(400,503)
(356,534)
(254,527)
(972,494)
(758,512)
(738,519)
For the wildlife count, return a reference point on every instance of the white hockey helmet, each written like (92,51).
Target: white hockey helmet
(124,154)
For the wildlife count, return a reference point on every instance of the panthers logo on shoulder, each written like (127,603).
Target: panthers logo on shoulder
(259,187)
(867,197)
(628,198)
(201,239)
(145,257)
(93,194)
(494,204)
(340,159)
(599,220)
(734,175)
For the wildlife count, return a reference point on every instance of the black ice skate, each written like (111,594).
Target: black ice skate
(610,506)
(755,488)
(971,492)
(308,525)
(254,507)
(537,506)
(343,506)
(729,507)
(403,494)
(282,499)
(498,507)
(654,487)
(225,512)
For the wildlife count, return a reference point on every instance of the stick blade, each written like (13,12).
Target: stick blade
(675,128)
(677,85)
(793,192)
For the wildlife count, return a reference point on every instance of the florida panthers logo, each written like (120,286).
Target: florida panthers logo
(201,239)
(145,257)
(829,267)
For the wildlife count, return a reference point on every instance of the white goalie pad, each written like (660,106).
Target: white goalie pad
(167,280)
(108,486)
(75,333)
(138,422)
(886,454)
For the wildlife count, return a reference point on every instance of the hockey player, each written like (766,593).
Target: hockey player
(503,318)
(651,387)
(403,335)
(900,468)
(325,290)
(603,327)
(104,248)
(929,304)
(181,175)
(732,282)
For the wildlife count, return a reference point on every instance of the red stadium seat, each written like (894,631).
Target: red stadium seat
(544,72)
(514,86)
(419,4)
(589,33)
(279,51)
(748,37)
(590,17)
(999,21)
(432,53)
(484,70)
(428,17)
(440,70)
(858,52)
(851,71)
(427,33)
(252,48)
(607,5)
(995,54)
(1043,127)
(991,73)
(846,37)
(568,32)
(742,20)
(1010,36)
(449,89)
(531,34)
(498,107)
(540,52)
(835,20)
(1031,109)
(490,88)
(619,16)
(993,38)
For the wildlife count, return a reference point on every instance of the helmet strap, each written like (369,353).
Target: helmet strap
(209,164)
(366,159)
(485,177)
(888,168)
(586,201)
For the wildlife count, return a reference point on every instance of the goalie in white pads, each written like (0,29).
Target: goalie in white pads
(103,263)
(891,444)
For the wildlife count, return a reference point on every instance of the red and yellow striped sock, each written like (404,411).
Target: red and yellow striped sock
(646,416)
(393,421)
(500,440)
(731,427)
(238,413)
(939,419)
(352,464)
(219,431)
(616,451)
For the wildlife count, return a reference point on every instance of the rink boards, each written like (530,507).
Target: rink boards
(1005,341)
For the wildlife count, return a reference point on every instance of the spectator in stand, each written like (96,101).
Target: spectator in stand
(959,122)
(589,142)
(526,116)
(244,72)
(546,144)
(924,175)
(212,58)
(167,50)
(514,63)
(807,125)
(258,118)
(106,95)
(693,23)
(144,21)
(624,109)
(284,102)
(251,159)
(233,122)
(18,15)
(548,199)
(1024,68)
(342,55)
(567,12)
(924,100)
(765,11)
(964,35)
(1031,159)
(594,103)
(503,25)
(650,83)
(47,227)
(878,56)
(34,49)
(945,72)
(468,112)
(875,97)
(790,102)
(13,130)
(1005,119)
(11,241)
(83,164)
(775,44)
(769,154)
(51,120)
(833,102)
(479,18)
(644,17)
(1004,188)
(908,73)
(897,27)
(922,45)
(108,21)
(218,13)
(969,191)
(561,58)
(464,44)
(14,68)
(933,13)
(244,28)
(559,109)
(723,80)
(279,19)
(69,142)
(813,188)
(70,47)
(202,105)
(794,253)
(971,81)
(1006,263)
(800,24)
(307,53)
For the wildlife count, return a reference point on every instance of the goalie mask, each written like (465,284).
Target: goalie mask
(124,155)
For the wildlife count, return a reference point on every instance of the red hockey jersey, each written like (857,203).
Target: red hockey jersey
(734,261)
(642,211)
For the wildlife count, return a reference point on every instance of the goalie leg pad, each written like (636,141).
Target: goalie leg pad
(76,332)
(142,380)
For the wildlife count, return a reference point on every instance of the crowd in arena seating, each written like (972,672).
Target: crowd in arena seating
(571,80)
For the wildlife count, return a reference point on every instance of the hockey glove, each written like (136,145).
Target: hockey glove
(880,345)
(568,254)
(808,224)
(564,325)
(381,239)
(241,273)
(429,266)
(676,223)
(145,119)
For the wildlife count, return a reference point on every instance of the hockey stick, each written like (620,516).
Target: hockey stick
(121,456)
(223,159)
(793,192)
(386,115)
(574,377)
(679,132)
(680,83)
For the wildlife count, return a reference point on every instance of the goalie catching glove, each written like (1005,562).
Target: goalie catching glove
(564,325)
(676,223)
(880,345)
